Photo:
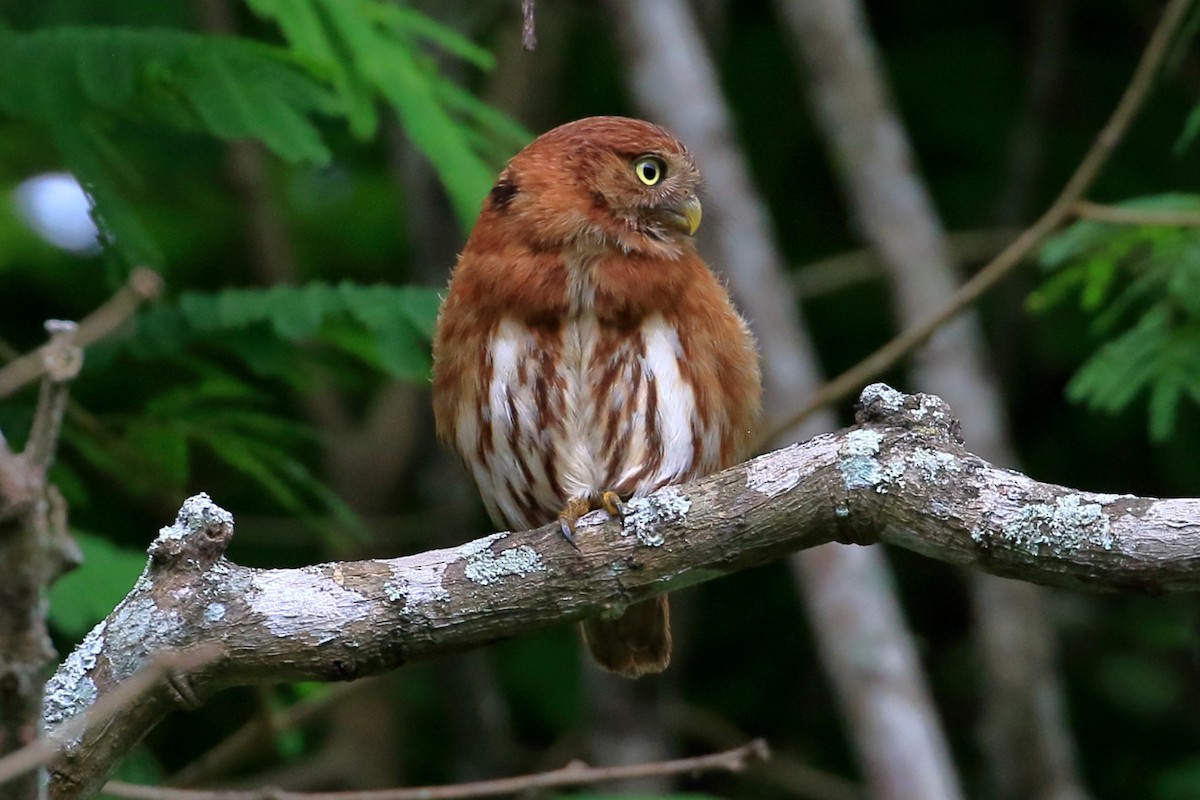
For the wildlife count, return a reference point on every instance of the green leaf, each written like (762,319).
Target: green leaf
(81,598)
(390,66)
(409,21)
(1055,289)
(293,312)
(238,95)
(1141,283)
(119,227)
(1164,404)
(107,70)
(265,356)
(237,87)
(1123,367)
(257,462)
(1183,282)
(297,312)
(422,307)
(380,305)
(300,21)
(368,44)
(1191,126)
(164,446)
(1099,276)
(401,353)
(401,322)
(399,319)
(112,455)
(502,134)
(300,475)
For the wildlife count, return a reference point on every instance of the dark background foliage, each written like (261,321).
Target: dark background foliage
(304,410)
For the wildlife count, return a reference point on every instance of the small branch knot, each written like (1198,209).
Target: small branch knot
(199,537)
(61,357)
(880,404)
(146,283)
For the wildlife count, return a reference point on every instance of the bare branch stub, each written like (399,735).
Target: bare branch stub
(879,404)
(61,361)
(196,541)
(900,476)
(528,25)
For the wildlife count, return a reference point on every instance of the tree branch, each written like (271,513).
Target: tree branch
(35,548)
(845,271)
(143,284)
(1117,215)
(61,359)
(258,734)
(528,25)
(46,747)
(900,476)
(573,774)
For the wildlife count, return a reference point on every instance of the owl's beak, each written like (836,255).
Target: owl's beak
(685,216)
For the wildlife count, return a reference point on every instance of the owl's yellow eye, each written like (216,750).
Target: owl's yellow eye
(650,170)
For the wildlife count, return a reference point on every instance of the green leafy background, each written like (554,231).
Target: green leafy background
(285,379)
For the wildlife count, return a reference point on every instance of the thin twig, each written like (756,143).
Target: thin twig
(788,773)
(1118,215)
(528,28)
(62,360)
(573,774)
(44,749)
(248,740)
(844,270)
(143,284)
(1059,211)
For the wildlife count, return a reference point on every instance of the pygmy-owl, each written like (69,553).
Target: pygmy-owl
(585,354)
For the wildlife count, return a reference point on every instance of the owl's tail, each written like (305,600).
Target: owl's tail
(634,644)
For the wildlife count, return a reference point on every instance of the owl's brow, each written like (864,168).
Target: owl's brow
(633,155)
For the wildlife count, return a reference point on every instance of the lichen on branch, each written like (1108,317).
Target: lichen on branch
(899,476)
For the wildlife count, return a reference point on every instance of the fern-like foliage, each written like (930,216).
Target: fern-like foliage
(80,81)
(341,58)
(220,415)
(1142,284)
(214,357)
(371,48)
(204,358)
(389,327)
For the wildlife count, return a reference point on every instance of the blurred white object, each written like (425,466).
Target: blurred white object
(55,206)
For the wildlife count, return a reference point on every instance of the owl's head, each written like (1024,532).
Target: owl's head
(601,182)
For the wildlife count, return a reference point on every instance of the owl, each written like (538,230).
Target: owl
(585,354)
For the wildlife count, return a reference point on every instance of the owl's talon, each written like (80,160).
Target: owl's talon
(568,532)
(576,508)
(614,505)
